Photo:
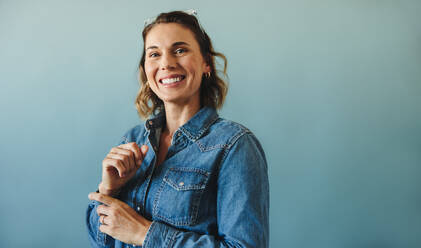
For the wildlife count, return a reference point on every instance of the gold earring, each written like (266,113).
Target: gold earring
(207,74)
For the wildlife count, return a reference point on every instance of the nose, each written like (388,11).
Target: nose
(167,62)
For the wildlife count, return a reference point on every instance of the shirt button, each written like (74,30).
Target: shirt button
(181,184)
(138,209)
(179,134)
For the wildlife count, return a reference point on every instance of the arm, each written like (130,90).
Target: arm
(243,204)
(119,166)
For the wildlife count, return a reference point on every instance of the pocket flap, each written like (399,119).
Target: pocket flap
(184,178)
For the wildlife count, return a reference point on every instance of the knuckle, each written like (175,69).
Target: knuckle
(120,165)
(131,153)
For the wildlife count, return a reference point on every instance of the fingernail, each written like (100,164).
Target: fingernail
(144,149)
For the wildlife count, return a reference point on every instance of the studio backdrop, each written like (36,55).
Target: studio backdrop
(332,89)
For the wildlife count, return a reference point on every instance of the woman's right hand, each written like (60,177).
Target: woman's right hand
(120,164)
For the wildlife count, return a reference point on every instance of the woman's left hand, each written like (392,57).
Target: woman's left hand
(119,220)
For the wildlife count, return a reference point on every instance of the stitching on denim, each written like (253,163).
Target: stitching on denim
(149,234)
(195,207)
(190,169)
(200,185)
(230,145)
(172,239)
(242,130)
(181,221)
(156,200)
(205,128)
(191,218)
(201,131)
(236,137)
(210,148)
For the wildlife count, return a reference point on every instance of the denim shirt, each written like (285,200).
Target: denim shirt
(212,190)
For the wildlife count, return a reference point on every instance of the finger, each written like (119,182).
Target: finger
(104,219)
(122,151)
(127,162)
(125,151)
(105,229)
(103,210)
(117,164)
(133,147)
(107,200)
(101,220)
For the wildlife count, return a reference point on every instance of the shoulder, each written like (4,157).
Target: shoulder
(230,130)
(224,134)
(242,149)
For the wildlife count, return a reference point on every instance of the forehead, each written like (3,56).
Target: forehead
(165,34)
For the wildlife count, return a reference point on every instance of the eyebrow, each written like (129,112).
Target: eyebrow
(178,43)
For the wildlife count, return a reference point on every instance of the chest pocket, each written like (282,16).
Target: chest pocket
(178,199)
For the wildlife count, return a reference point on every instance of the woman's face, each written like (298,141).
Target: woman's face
(174,65)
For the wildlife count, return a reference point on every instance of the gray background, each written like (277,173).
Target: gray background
(331,88)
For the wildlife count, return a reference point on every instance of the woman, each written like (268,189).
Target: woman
(187,178)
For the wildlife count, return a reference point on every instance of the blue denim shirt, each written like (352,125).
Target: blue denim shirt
(212,189)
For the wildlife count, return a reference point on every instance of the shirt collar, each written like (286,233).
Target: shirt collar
(194,128)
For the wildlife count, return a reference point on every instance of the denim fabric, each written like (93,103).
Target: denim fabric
(212,189)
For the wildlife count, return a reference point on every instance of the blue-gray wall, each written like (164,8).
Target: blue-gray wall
(331,88)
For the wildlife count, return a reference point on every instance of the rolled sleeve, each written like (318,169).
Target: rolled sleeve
(159,235)
(96,237)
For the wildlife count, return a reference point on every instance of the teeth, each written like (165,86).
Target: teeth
(171,80)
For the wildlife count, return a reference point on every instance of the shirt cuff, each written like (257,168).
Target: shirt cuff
(159,235)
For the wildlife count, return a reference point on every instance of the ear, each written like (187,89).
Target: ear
(207,68)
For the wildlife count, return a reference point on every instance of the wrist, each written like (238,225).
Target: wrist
(143,231)
(107,191)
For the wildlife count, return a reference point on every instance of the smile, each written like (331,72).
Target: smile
(172,80)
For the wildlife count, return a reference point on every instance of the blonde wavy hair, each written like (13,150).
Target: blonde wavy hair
(213,89)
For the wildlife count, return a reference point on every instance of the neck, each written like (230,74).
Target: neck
(178,115)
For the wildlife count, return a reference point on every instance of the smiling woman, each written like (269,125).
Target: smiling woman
(185,178)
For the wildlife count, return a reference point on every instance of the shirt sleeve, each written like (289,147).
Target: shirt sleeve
(97,238)
(242,204)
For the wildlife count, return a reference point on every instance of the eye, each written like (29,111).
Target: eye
(153,55)
(180,50)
